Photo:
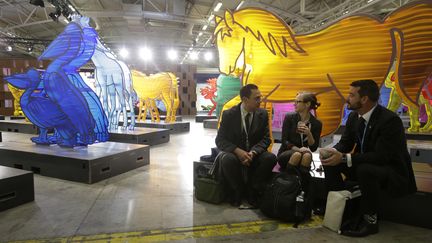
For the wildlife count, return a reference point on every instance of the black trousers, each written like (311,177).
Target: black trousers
(246,179)
(371,179)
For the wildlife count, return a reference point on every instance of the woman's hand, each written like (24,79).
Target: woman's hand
(304,150)
(304,129)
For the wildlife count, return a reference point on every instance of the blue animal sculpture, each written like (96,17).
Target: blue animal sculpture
(113,86)
(87,49)
(58,98)
(42,111)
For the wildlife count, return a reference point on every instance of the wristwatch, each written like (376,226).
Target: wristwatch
(344,158)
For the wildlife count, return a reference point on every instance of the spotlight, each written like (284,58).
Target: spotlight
(172,54)
(124,53)
(29,49)
(9,48)
(39,3)
(194,55)
(208,56)
(146,54)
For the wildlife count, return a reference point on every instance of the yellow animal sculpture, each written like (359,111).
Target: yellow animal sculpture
(16,93)
(267,52)
(395,102)
(161,86)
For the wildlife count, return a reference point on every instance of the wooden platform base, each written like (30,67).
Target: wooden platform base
(210,123)
(418,136)
(141,135)
(16,187)
(420,151)
(201,118)
(17,117)
(82,164)
(174,127)
(21,126)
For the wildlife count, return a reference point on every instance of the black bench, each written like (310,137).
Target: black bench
(414,209)
(16,187)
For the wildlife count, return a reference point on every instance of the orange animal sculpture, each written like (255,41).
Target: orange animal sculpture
(209,92)
(161,86)
(266,51)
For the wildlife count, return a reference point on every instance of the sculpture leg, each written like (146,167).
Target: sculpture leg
(150,109)
(140,113)
(168,105)
(213,107)
(144,110)
(428,126)
(131,112)
(43,138)
(395,100)
(155,110)
(176,103)
(414,114)
(112,104)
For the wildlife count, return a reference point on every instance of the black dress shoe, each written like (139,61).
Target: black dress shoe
(236,199)
(363,229)
(319,210)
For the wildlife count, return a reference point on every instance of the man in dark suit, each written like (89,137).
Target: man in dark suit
(373,151)
(243,137)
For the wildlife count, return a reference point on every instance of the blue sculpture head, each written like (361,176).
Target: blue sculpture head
(30,79)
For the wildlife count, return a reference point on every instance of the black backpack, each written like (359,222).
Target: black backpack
(285,199)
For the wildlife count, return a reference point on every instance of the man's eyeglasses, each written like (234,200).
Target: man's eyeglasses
(298,101)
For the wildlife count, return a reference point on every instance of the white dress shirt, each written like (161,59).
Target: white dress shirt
(367,117)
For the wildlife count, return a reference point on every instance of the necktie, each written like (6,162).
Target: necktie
(361,129)
(247,121)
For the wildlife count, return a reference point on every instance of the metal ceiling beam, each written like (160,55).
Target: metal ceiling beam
(144,14)
(336,13)
(30,24)
(154,6)
(279,11)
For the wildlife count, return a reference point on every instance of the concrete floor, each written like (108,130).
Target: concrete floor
(156,203)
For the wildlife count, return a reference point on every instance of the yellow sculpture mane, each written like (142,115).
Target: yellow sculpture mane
(265,51)
(277,36)
(162,86)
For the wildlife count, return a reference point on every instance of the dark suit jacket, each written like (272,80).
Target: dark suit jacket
(384,145)
(231,135)
(290,136)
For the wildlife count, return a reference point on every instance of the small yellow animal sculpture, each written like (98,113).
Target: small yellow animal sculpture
(267,52)
(16,93)
(161,86)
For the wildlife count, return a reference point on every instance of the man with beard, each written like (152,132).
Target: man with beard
(243,137)
(371,151)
